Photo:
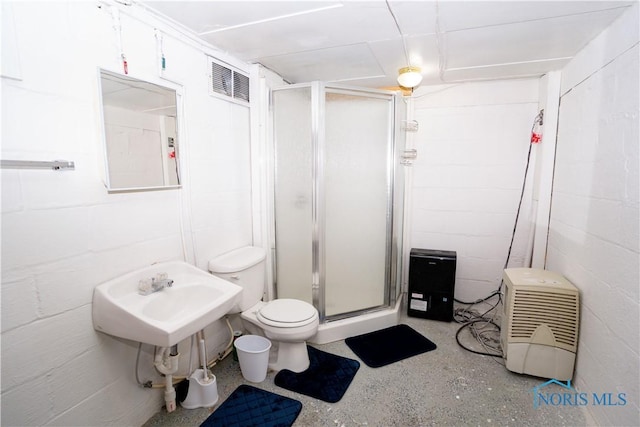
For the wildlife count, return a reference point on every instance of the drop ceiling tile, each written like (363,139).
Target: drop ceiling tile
(458,15)
(332,64)
(525,41)
(356,22)
(423,52)
(389,54)
(203,16)
(506,71)
(415,17)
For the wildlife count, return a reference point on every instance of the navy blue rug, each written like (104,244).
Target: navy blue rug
(380,348)
(327,377)
(250,406)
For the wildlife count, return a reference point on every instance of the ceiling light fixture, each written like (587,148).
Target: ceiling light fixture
(409,77)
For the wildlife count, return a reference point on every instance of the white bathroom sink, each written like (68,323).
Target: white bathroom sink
(163,318)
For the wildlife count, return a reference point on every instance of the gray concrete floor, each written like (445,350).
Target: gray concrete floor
(445,387)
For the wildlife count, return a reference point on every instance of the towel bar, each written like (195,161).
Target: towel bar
(37,164)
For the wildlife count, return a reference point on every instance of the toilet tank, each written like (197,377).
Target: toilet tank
(246,268)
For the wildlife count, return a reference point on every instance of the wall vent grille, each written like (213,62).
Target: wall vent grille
(227,81)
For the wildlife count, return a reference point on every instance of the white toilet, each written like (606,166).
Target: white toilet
(288,323)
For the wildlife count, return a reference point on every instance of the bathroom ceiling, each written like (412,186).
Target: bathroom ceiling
(359,43)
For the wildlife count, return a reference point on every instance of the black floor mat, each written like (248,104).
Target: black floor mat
(389,345)
(327,377)
(251,406)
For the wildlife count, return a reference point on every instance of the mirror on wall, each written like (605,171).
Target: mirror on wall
(140,133)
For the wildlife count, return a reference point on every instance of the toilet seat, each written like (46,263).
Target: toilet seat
(287,313)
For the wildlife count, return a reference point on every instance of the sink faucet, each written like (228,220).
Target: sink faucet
(154,284)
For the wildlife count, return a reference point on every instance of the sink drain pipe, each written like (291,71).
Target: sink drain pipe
(166,362)
(176,379)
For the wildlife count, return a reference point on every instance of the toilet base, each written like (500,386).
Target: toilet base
(292,356)
(289,344)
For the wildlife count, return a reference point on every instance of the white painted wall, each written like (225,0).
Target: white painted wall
(472,149)
(594,227)
(63,234)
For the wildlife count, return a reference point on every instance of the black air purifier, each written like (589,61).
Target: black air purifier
(432,278)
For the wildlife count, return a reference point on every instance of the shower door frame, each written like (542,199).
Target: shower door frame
(318,91)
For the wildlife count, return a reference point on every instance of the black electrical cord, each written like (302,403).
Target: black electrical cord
(470,318)
(536,121)
(488,297)
(469,324)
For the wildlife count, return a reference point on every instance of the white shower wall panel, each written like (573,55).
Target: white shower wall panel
(293,199)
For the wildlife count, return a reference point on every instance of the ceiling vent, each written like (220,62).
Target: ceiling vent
(228,82)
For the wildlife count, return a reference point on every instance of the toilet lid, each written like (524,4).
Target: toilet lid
(290,312)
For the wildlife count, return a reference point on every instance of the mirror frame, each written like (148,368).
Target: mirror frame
(170,86)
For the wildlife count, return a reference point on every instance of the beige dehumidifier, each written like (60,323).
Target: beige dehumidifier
(539,334)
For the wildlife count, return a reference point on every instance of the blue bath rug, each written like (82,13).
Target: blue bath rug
(380,348)
(249,406)
(327,377)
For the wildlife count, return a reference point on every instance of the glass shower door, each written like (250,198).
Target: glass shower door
(357,208)
(333,197)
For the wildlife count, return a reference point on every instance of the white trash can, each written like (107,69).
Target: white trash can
(253,355)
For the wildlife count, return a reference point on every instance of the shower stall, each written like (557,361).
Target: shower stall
(338,192)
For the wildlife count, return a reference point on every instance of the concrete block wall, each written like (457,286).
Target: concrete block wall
(594,224)
(63,233)
(472,144)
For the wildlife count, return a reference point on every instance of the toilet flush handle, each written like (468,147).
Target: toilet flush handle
(235,277)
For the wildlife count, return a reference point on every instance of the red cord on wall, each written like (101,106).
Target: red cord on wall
(536,131)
